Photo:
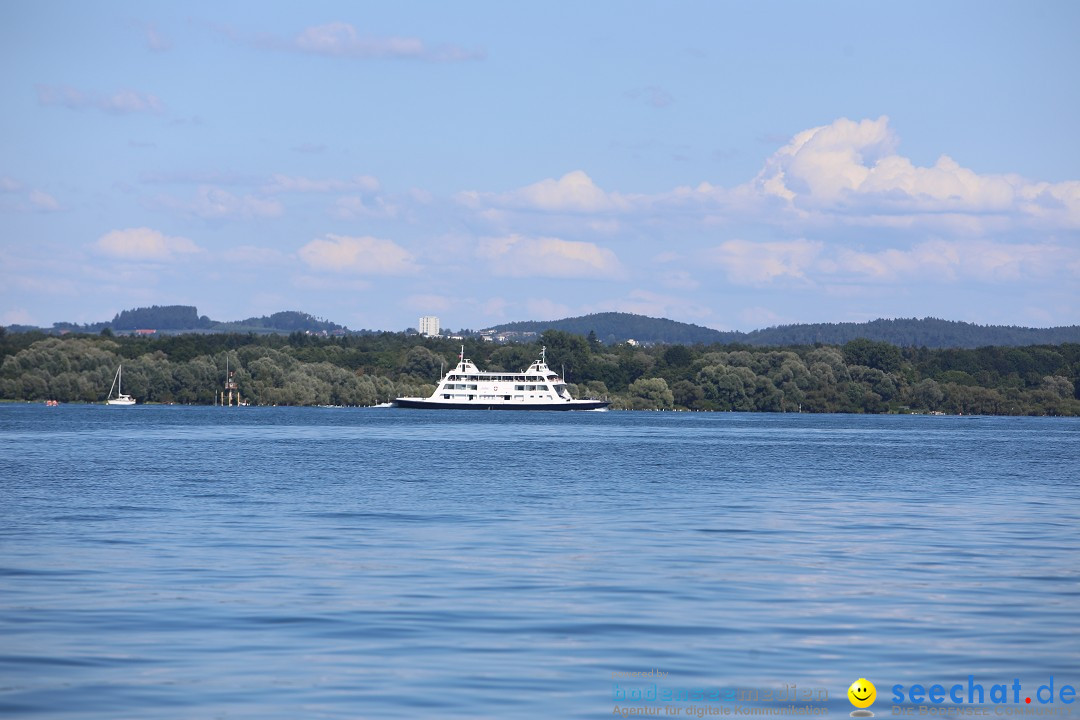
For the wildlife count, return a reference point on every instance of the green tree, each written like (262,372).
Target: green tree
(422,364)
(651,394)
(678,356)
(688,395)
(878,355)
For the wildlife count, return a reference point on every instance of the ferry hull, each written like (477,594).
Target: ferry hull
(421,404)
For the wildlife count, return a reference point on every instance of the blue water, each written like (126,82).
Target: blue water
(173,562)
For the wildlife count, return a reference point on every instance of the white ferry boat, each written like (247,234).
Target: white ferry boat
(466,387)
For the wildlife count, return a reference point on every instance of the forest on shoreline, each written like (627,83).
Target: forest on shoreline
(860,376)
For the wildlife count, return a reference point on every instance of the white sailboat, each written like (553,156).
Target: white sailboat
(121,398)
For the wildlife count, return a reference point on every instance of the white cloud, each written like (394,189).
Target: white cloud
(982,260)
(17,316)
(751,263)
(286,183)
(574,192)
(120,102)
(845,174)
(214,203)
(546,309)
(519,256)
(851,168)
(364,255)
(43,201)
(23,199)
(678,280)
(144,243)
(155,41)
(354,206)
(763,263)
(653,304)
(495,307)
(343,40)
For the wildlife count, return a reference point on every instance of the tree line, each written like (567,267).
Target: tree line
(859,376)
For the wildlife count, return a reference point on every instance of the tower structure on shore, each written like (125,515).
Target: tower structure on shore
(429,325)
(231,389)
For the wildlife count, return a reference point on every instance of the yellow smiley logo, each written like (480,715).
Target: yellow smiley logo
(862,693)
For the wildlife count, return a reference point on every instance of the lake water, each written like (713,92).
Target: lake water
(176,562)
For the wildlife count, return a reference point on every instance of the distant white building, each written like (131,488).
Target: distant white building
(429,325)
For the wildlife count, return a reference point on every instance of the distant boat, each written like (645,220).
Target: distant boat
(121,398)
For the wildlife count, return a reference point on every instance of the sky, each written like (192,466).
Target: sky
(731,164)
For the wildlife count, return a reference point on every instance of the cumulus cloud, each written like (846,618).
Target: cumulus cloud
(120,102)
(364,255)
(852,168)
(844,174)
(343,40)
(519,256)
(143,243)
(574,192)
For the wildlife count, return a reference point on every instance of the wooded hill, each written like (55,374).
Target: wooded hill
(617,327)
(614,327)
(172,319)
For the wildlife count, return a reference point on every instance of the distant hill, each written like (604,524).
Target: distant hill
(165,317)
(926,332)
(913,332)
(613,327)
(287,321)
(185,318)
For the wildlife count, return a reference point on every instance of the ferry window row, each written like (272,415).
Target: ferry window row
(496,378)
(519,388)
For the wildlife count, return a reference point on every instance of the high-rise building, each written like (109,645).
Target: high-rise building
(429,325)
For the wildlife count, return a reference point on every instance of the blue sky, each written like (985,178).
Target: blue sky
(735,165)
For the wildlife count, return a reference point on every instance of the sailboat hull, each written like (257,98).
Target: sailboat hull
(118,383)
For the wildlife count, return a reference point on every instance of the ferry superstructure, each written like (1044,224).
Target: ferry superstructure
(466,387)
